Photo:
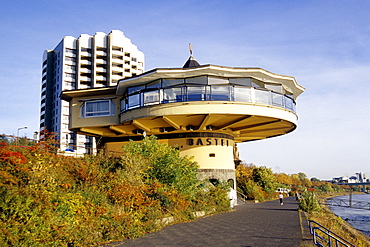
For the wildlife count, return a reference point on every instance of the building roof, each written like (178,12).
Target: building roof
(191,63)
(288,82)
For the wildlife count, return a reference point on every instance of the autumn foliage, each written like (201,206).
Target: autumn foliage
(260,183)
(53,200)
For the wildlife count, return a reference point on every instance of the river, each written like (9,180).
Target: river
(357,218)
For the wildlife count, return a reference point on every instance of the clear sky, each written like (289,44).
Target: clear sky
(325,45)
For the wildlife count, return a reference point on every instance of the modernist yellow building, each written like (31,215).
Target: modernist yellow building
(203,110)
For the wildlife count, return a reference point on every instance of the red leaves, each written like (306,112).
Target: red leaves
(11,157)
(13,166)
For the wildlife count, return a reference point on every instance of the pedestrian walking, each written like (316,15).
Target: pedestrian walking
(281,198)
(233,197)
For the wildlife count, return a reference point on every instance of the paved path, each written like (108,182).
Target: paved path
(260,224)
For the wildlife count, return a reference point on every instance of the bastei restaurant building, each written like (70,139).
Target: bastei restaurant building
(203,110)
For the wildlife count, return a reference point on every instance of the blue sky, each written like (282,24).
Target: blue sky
(323,44)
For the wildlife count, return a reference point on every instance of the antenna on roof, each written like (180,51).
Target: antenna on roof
(191,49)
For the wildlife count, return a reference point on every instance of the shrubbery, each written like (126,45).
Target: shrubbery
(52,200)
(308,202)
(260,183)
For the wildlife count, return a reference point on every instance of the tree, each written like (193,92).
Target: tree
(265,178)
(244,172)
(283,178)
(295,179)
(315,179)
(302,176)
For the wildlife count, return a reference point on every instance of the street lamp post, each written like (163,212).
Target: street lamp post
(25,127)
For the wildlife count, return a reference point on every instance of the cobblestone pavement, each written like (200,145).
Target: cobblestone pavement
(252,224)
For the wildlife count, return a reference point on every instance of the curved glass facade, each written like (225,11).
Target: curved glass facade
(205,88)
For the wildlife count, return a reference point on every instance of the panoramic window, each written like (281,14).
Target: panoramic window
(202,80)
(134,101)
(262,96)
(206,88)
(97,108)
(151,97)
(242,94)
(171,82)
(221,93)
(196,93)
(277,99)
(246,82)
(217,81)
(172,95)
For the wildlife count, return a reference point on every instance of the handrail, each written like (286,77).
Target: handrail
(350,204)
(243,197)
(328,236)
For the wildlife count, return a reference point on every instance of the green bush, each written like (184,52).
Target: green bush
(308,202)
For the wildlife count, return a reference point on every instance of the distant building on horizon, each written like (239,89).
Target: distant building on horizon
(86,62)
(359,177)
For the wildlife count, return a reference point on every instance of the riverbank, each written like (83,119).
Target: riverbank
(358,215)
(336,224)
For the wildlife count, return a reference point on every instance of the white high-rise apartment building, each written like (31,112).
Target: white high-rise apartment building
(86,62)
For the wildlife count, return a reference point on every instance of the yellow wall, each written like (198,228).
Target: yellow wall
(209,153)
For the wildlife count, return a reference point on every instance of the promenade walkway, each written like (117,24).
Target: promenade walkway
(260,224)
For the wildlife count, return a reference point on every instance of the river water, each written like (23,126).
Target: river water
(357,218)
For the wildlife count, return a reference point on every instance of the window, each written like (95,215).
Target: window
(275,88)
(151,97)
(220,93)
(154,84)
(277,99)
(242,94)
(206,88)
(134,101)
(217,81)
(172,82)
(115,48)
(246,82)
(86,49)
(196,93)
(117,57)
(262,96)
(73,51)
(132,90)
(172,95)
(123,105)
(70,67)
(289,103)
(117,73)
(70,59)
(197,80)
(98,108)
(116,65)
